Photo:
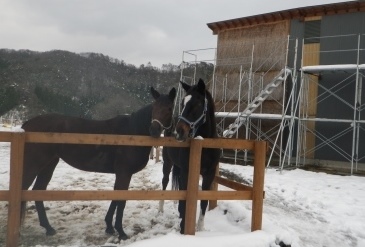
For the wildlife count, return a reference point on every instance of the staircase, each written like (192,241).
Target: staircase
(252,106)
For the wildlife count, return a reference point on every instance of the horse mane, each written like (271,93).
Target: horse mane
(211,113)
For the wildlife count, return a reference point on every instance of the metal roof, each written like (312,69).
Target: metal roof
(297,13)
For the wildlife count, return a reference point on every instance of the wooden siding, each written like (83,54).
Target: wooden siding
(265,44)
(263,47)
(311,57)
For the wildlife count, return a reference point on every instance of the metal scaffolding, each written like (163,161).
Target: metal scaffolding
(353,125)
(291,125)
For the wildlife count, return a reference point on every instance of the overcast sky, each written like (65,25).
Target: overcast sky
(136,31)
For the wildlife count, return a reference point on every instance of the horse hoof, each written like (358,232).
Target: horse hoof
(123,237)
(110,230)
(50,232)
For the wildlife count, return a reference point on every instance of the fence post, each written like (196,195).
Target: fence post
(213,203)
(193,185)
(258,185)
(15,188)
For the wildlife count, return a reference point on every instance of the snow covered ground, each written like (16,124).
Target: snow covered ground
(301,208)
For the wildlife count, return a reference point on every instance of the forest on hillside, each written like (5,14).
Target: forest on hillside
(87,85)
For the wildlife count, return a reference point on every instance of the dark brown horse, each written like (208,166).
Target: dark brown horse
(196,119)
(40,160)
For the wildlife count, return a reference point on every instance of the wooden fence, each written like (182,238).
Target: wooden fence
(15,195)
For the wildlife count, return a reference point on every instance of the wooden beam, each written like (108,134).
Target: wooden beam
(106,139)
(214,187)
(82,195)
(15,186)
(103,139)
(6,136)
(227,143)
(258,185)
(232,184)
(193,185)
(4,195)
(224,195)
(85,195)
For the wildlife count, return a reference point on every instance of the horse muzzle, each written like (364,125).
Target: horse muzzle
(182,131)
(155,130)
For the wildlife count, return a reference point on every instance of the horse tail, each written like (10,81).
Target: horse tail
(175,177)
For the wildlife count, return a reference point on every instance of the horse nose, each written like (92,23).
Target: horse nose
(155,130)
(181,133)
(179,137)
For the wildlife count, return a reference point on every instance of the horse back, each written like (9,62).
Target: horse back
(97,158)
(69,124)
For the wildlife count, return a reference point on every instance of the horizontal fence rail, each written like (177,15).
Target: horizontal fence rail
(15,195)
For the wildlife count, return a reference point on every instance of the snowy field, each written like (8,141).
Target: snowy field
(301,209)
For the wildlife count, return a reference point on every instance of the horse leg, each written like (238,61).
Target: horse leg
(121,183)
(119,220)
(166,170)
(183,181)
(109,218)
(41,183)
(206,185)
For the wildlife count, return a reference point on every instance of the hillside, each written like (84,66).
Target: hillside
(87,85)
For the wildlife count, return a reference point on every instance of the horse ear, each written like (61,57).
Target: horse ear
(172,94)
(201,86)
(154,93)
(185,86)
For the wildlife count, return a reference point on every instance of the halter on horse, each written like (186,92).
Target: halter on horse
(196,119)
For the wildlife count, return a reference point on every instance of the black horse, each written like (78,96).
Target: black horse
(196,119)
(40,160)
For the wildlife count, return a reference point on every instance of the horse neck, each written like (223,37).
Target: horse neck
(141,120)
(208,129)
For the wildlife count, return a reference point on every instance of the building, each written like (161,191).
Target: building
(318,112)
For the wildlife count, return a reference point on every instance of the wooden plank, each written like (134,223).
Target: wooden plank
(193,185)
(225,195)
(103,139)
(77,195)
(213,203)
(311,56)
(81,195)
(258,185)
(15,187)
(4,195)
(228,143)
(6,136)
(232,184)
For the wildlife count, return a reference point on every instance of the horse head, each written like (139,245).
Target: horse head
(162,110)
(194,110)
